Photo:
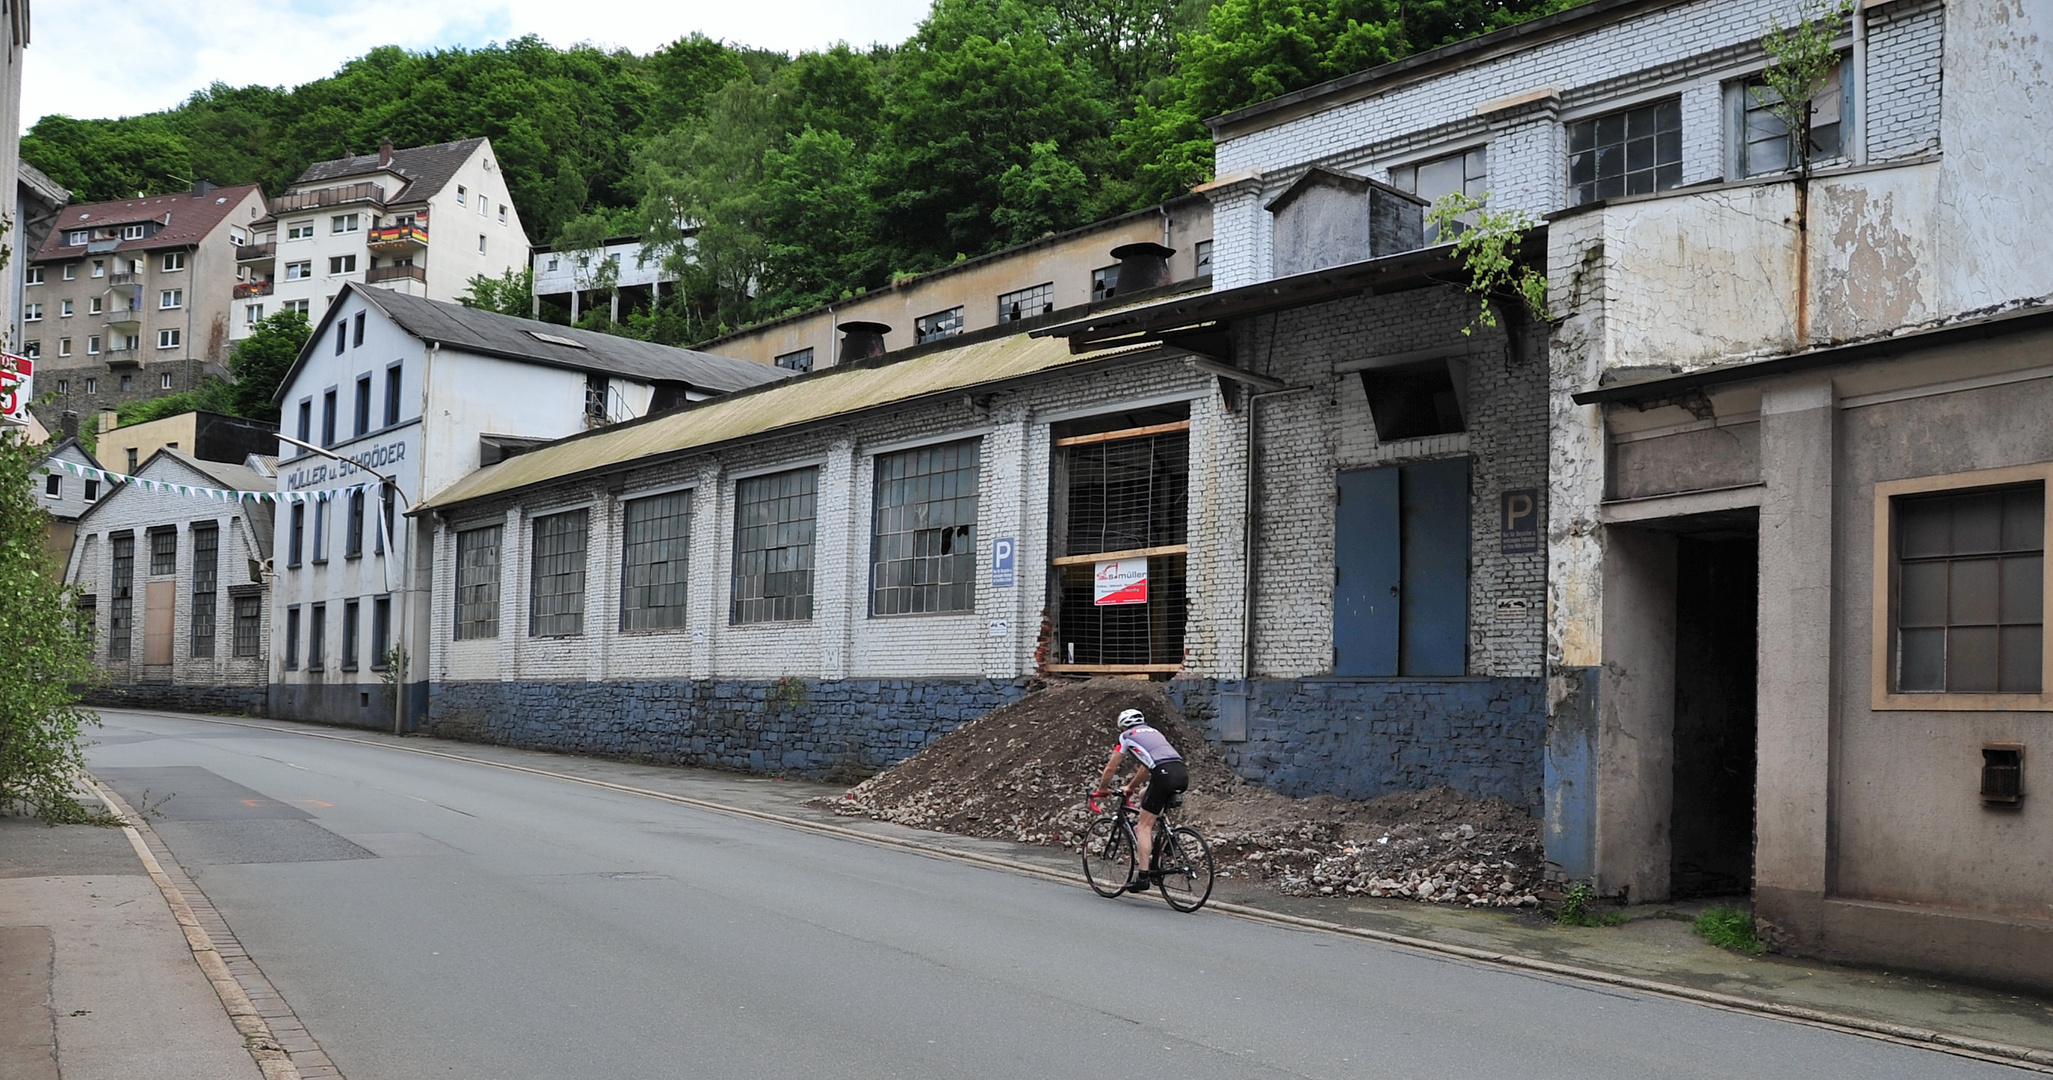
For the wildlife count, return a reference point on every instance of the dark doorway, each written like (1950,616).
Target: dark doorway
(1717,585)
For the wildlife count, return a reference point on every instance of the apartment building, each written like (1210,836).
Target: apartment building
(1015,289)
(619,273)
(129,300)
(369,219)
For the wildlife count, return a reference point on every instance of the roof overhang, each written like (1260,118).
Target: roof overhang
(2036,318)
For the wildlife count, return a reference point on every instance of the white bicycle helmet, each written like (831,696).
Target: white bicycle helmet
(1132,718)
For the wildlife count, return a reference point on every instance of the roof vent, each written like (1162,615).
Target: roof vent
(862,340)
(1142,266)
(201,188)
(552,339)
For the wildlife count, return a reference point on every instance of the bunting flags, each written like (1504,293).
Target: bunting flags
(227,495)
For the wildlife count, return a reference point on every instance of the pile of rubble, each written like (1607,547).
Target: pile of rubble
(1021,773)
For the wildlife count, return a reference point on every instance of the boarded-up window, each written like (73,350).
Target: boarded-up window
(1125,496)
(121,606)
(206,541)
(556,590)
(657,536)
(923,543)
(477,583)
(1970,592)
(773,547)
(1400,583)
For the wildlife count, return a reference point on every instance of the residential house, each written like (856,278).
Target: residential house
(178,555)
(368,219)
(1021,287)
(67,493)
(39,201)
(422,392)
(128,300)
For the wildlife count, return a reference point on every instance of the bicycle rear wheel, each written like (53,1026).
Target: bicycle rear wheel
(1186,870)
(1108,857)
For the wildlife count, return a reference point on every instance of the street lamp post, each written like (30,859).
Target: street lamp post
(385,483)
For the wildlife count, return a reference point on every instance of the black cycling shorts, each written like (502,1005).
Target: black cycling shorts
(1166,780)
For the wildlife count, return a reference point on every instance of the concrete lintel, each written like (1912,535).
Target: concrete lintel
(1681,504)
(1537,98)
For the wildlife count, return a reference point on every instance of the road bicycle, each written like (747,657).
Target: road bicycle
(1108,844)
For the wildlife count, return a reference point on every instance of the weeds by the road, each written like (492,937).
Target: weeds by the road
(1575,909)
(1729,928)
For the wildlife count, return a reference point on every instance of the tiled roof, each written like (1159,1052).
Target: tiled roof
(426,168)
(187,219)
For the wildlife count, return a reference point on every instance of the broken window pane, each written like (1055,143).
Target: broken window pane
(923,538)
(773,547)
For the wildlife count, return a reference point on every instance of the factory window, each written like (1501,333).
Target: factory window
(1633,152)
(295,538)
(477,583)
(939,325)
(353,539)
(163,552)
(923,539)
(1969,604)
(206,544)
(1027,303)
(1466,173)
(292,637)
(351,625)
(1104,283)
(773,547)
(121,609)
(317,637)
(249,625)
(657,533)
(556,589)
(1762,140)
(1121,484)
(800,361)
(381,633)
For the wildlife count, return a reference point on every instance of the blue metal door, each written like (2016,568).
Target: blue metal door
(1433,621)
(1366,573)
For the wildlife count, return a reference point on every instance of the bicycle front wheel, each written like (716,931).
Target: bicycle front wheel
(1108,857)
(1186,870)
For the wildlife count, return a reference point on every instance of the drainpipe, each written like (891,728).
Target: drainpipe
(1250,522)
(1858,130)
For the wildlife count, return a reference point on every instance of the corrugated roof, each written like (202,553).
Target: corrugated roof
(493,334)
(836,391)
(426,168)
(192,218)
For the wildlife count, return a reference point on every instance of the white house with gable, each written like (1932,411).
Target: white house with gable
(423,392)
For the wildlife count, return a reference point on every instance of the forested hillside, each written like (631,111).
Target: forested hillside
(806,177)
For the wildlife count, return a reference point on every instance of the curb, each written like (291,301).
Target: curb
(274,1059)
(2024,1057)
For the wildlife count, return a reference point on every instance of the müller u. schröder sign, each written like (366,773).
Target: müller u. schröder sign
(325,472)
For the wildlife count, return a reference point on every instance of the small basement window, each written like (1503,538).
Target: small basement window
(2002,774)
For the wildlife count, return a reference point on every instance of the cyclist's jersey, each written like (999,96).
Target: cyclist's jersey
(1147,745)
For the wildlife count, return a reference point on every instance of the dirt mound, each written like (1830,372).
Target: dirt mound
(1021,772)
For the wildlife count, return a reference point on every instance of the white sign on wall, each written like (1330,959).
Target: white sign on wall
(1122,581)
(17,387)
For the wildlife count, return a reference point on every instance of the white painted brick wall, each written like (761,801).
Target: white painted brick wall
(1906,42)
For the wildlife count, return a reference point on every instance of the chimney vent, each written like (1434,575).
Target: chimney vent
(68,424)
(862,340)
(1144,265)
(201,188)
(384,151)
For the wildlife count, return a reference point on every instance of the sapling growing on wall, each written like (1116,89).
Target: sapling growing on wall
(1485,245)
(1800,63)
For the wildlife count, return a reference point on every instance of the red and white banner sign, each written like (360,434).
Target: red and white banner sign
(1122,581)
(17,387)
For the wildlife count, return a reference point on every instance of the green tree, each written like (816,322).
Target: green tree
(702,202)
(511,293)
(45,654)
(261,361)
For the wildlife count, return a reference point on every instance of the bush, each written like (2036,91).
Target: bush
(46,654)
(1575,908)
(1729,928)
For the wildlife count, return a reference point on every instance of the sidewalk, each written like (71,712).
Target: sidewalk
(95,970)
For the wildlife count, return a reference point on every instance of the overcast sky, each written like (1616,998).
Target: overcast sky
(137,56)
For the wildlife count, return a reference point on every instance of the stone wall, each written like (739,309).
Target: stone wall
(1362,738)
(803,727)
(231,700)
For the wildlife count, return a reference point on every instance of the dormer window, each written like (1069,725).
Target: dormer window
(133,232)
(77,237)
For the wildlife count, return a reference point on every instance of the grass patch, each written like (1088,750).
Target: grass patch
(1575,909)
(1729,928)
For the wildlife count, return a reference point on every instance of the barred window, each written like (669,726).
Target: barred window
(1970,591)
(1027,303)
(249,625)
(121,608)
(477,583)
(1129,493)
(652,564)
(773,547)
(923,541)
(351,614)
(163,552)
(1125,497)
(206,540)
(556,591)
(1633,152)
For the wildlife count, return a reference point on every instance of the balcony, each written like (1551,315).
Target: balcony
(124,319)
(394,238)
(332,196)
(264,252)
(245,290)
(377,274)
(115,281)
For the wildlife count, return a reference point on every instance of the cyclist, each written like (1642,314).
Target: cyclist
(1161,769)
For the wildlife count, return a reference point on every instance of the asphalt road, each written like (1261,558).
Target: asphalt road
(430,918)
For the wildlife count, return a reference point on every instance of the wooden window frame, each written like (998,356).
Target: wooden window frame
(1882,653)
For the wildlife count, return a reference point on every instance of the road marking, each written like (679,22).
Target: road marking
(2024,1057)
